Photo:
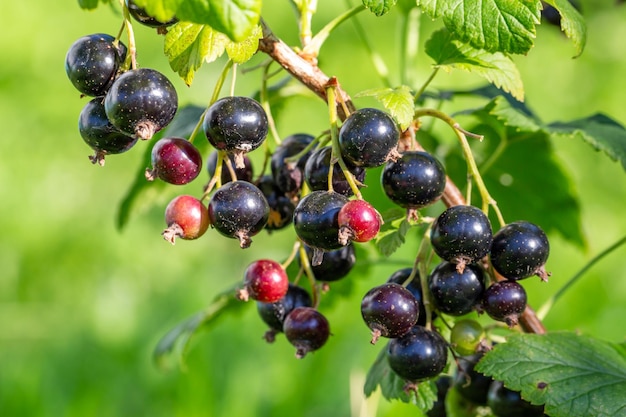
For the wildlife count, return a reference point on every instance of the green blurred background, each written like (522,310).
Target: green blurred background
(82,305)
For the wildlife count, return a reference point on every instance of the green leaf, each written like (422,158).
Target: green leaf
(162,10)
(572,23)
(176,341)
(234,18)
(493,25)
(241,52)
(90,4)
(574,375)
(379,7)
(189,45)
(392,235)
(143,193)
(510,115)
(392,386)
(397,101)
(599,130)
(496,68)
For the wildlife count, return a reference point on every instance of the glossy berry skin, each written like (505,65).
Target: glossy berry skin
(415,180)
(92,63)
(443,383)
(315,220)
(336,264)
(358,221)
(307,329)
(100,134)
(505,301)
(469,383)
(141,102)
(420,354)
(368,138)
(141,15)
(281,206)
(465,336)
(461,235)
(244,174)
(389,310)
(274,313)
(453,292)
(289,177)
(520,250)
(186,217)
(508,403)
(265,280)
(318,166)
(236,125)
(175,161)
(238,210)
(415,287)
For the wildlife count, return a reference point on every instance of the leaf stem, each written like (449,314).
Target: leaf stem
(430,78)
(132,48)
(265,103)
(422,260)
(543,311)
(306,265)
(312,49)
(410,32)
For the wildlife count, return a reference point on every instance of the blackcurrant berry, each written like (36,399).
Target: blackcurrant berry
(453,292)
(100,134)
(186,217)
(466,336)
(141,102)
(358,221)
(289,177)
(175,161)
(420,354)
(318,166)
(508,403)
(264,280)
(469,383)
(520,250)
(369,138)
(415,180)
(415,287)
(389,310)
(443,383)
(274,314)
(243,174)
(307,329)
(336,264)
(141,16)
(316,221)
(238,210)
(236,125)
(461,235)
(505,301)
(281,206)
(92,63)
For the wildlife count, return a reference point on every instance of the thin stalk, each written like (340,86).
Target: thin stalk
(265,103)
(132,48)
(233,80)
(294,252)
(306,265)
(410,31)
(430,78)
(314,46)
(547,306)
(422,260)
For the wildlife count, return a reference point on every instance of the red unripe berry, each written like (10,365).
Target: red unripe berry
(186,217)
(358,221)
(264,280)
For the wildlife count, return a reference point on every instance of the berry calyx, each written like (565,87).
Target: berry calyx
(264,280)
(505,301)
(358,221)
(186,217)
(420,354)
(307,329)
(389,310)
(175,161)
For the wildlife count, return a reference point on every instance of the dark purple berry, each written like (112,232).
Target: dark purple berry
(415,180)
(141,102)
(318,166)
(336,264)
(316,221)
(443,383)
(461,235)
(186,217)
(289,177)
(100,134)
(274,314)
(505,301)
(307,329)
(243,174)
(175,161)
(414,287)
(369,138)
(281,206)
(520,250)
(141,15)
(236,125)
(469,383)
(264,280)
(453,292)
(420,354)
(389,310)
(238,210)
(508,403)
(92,63)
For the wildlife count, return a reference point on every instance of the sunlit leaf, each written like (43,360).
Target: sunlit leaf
(241,52)
(379,7)
(397,101)
(572,23)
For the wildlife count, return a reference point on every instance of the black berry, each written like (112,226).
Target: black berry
(469,383)
(389,310)
(508,403)
(318,166)
(141,15)
(335,265)
(244,173)
(505,301)
(420,354)
(453,292)
(274,314)
(520,250)
(289,177)
(281,206)
(443,383)
(415,287)
(307,329)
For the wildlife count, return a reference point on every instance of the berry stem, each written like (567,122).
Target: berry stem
(306,265)
(424,254)
(294,251)
(543,311)
(409,45)
(265,103)
(132,48)
(430,78)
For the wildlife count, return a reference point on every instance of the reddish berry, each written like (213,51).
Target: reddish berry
(174,160)
(358,221)
(264,280)
(186,217)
